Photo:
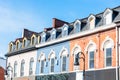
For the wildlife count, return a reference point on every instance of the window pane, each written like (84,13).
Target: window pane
(42,66)
(64,63)
(31,68)
(91,59)
(22,68)
(15,69)
(108,56)
(52,65)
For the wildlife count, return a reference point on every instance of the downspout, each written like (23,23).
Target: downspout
(117,53)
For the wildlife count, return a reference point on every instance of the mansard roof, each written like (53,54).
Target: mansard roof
(59,24)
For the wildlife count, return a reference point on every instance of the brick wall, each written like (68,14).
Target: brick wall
(1,73)
(98,39)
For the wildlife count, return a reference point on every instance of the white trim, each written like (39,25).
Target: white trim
(93,17)
(107,39)
(73,49)
(51,52)
(77,21)
(91,43)
(41,55)
(80,34)
(63,49)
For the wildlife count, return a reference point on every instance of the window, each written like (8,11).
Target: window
(91,59)
(42,66)
(107,16)
(10,47)
(92,23)
(77,27)
(65,30)
(52,65)
(53,34)
(108,57)
(33,41)
(15,69)
(24,43)
(64,63)
(43,38)
(31,66)
(22,68)
(17,45)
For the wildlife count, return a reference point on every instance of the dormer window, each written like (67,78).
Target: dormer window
(10,47)
(77,26)
(24,42)
(53,34)
(65,30)
(43,36)
(33,39)
(107,17)
(91,21)
(17,45)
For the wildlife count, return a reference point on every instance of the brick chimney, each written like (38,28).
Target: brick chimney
(58,23)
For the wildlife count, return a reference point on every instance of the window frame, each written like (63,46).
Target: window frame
(31,65)
(22,69)
(15,69)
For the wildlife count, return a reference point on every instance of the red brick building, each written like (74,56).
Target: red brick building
(1,73)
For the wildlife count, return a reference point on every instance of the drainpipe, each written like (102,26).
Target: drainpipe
(117,53)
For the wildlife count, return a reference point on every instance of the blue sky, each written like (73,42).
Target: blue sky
(15,15)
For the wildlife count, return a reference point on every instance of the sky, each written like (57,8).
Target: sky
(35,15)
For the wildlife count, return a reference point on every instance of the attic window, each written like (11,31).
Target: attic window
(77,26)
(24,43)
(17,45)
(33,40)
(107,17)
(65,30)
(10,47)
(53,35)
(91,21)
(43,38)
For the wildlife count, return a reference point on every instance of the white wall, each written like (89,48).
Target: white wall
(26,56)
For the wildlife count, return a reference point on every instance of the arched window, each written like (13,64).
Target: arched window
(76,50)
(63,60)
(108,53)
(15,69)
(107,16)
(10,47)
(42,62)
(43,37)
(22,70)
(77,26)
(52,61)
(24,43)
(17,45)
(65,30)
(31,66)
(33,40)
(53,34)
(91,49)
(91,21)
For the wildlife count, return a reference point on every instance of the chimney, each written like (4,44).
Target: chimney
(58,23)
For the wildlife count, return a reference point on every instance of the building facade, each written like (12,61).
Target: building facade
(86,49)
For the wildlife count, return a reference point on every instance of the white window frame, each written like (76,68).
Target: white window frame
(15,68)
(43,37)
(31,66)
(65,30)
(40,59)
(53,34)
(51,56)
(74,51)
(22,73)
(77,29)
(91,24)
(63,53)
(107,16)
(107,43)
